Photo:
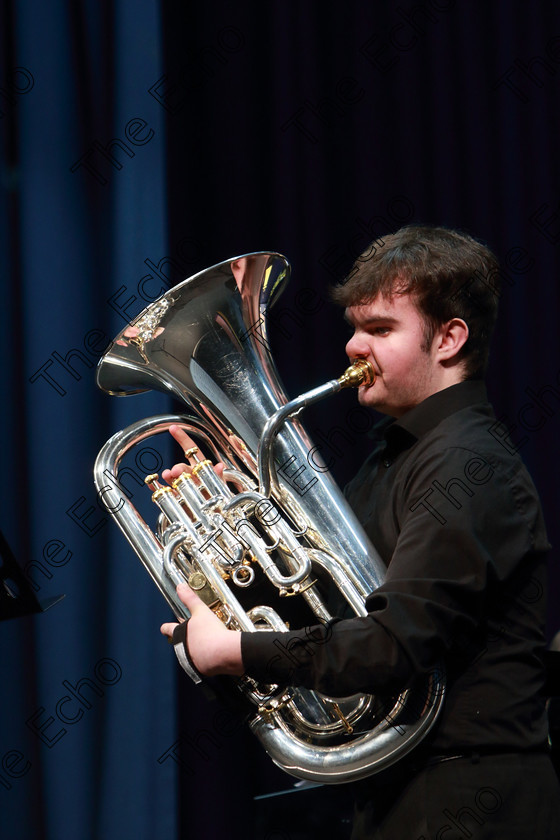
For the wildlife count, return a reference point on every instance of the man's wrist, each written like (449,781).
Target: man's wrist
(228,658)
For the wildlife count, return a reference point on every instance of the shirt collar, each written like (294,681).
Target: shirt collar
(424,417)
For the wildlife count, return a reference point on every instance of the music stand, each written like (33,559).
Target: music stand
(16,596)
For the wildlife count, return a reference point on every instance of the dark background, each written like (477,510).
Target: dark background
(307,128)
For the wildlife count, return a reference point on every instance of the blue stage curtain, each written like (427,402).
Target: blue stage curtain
(87,697)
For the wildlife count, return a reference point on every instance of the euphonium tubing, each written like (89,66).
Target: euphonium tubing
(199,341)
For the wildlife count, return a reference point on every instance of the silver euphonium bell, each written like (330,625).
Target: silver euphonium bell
(287,524)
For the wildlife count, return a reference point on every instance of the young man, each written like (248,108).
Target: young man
(455,516)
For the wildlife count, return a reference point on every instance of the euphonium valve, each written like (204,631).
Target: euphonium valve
(270,523)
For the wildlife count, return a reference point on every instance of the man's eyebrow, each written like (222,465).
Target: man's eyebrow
(374,318)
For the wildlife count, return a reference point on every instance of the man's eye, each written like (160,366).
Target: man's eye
(381,331)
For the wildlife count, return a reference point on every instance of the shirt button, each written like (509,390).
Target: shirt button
(386,463)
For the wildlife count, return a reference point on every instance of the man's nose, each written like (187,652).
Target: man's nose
(357,348)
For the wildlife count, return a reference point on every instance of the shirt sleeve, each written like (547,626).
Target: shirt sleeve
(459,540)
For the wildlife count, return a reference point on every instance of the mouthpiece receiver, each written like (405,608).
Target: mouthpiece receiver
(360,372)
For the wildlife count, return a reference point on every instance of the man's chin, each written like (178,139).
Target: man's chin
(362,395)
(368,398)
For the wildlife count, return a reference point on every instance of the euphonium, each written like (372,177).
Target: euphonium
(287,527)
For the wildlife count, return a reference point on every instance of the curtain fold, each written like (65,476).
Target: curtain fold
(87,700)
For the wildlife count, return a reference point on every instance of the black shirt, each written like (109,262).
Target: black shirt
(453,512)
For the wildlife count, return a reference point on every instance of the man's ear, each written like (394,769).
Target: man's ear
(452,336)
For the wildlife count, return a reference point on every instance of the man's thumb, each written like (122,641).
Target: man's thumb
(189,598)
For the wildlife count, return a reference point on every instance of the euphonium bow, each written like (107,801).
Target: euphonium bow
(274,522)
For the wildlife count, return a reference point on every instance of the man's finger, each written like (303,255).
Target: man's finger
(190,599)
(168,628)
(183,439)
(175,472)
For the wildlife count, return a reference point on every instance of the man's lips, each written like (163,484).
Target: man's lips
(371,384)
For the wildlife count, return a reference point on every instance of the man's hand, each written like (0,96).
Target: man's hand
(212,647)
(186,443)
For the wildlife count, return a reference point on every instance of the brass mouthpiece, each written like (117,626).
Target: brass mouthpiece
(360,372)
